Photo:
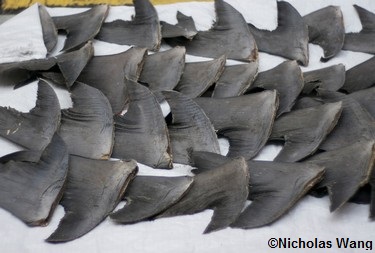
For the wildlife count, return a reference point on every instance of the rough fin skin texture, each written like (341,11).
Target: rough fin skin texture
(143,31)
(289,40)
(185,27)
(366,98)
(229,36)
(70,65)
(88,128)
(93,190)
(250,122)
(330,78)
(326,29)
(304,130)
(347,169)
(148,196)
(190,128)
(274,187)
(32,189)
(211,190)
(364,40)
(235,80)
(81,27)
(287,79)
(111,73)
(35,129)
(163,70)
(354,124)
(199,76)
(142,133)
(48,28)
(360,76)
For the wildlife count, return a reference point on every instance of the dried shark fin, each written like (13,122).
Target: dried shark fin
(199,76)
(250,122)
(211,189)
(111,73)
(347,169)
(289,40)
(326,29)
(304,130)
(275,187)
(360,76)
(148,196)
(235,80)
(364,40)
(366,98)
(81,27)
(35,129)
(142,133)
(287,79)
(190,128)
(70,65)
(329,78)
(185,27)
(229,36)
(32,189)
(143,31)
(48,28)
(354,124)
(94,188)
(87,128)
(163,70)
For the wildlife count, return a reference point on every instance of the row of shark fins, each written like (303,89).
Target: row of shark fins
(325,118)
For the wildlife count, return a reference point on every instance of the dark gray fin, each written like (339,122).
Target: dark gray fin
(362,196)
(364,40)
(48,28)
(326,29)
(245,120)
(163,70)
(142,133)
(148,196)
(366,98)
(360,77)
(190,129)
(235,80)
(94,188)
(81,27)
(35,129)
(32,156)
(229,36)
(304,130)
(354,124)
(88,128)
(204,161)
(347,169)
(199,76)
(70,65)
(287,79)
(211,190)
(31,190)
(274,187)
(290,39)
(306,102)
(185,27)
(110,74)
(142,31)
(330,78)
